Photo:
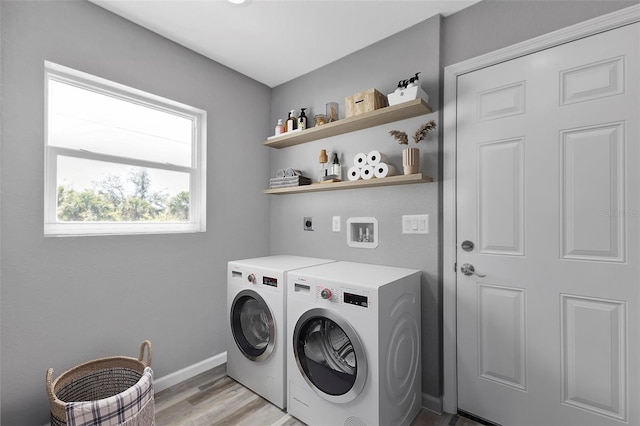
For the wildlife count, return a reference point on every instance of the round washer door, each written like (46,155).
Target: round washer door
(330,355)
(252,325)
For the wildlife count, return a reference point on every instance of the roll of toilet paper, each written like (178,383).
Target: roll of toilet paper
(381,170)
(360,159)
(280,173)
(374,157)
(367,172)
(353,173)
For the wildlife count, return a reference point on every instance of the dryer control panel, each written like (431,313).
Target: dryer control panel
(273,282)
(333,294)
(356,299)
(253,278)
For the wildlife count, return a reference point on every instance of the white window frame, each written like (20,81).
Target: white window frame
(197,188)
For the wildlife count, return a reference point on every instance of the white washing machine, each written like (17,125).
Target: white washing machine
(354,335)
(256,308)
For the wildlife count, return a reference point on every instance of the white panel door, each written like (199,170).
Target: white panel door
(548,192)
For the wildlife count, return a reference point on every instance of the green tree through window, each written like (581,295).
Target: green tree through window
(112,199)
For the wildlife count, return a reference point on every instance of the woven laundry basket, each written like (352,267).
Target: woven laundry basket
(94,380)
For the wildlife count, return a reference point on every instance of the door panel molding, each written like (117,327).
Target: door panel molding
(501,102)
(597,25)
(501,181)
(592,162)
(502,343)
(609,75)
(594,366)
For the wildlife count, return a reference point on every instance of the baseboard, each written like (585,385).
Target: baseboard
(432,403)
(188,372)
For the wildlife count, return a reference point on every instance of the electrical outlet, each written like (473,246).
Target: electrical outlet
(308,224)
(335,224)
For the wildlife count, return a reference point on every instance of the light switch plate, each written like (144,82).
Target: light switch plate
(415,224)
(335,224)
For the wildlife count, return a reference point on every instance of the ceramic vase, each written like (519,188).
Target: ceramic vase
(411,160)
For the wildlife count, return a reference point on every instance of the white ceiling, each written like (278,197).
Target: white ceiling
(274,41)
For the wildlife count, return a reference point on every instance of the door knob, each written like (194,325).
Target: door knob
(467,245)
(468,269)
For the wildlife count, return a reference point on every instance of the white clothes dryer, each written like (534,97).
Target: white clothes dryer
(354,336)
(256,308)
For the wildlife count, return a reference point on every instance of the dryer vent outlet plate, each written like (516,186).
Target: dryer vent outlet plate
(308,224)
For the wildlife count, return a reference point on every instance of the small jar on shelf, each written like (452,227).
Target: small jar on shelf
(332,112)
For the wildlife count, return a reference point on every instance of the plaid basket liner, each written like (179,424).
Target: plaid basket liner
(133,407)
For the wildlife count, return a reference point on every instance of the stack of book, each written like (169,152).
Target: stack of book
(287,181)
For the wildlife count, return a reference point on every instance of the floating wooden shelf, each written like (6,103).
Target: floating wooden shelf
(355,184)
(409,109)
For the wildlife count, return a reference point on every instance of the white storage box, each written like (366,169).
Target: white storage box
(407,94)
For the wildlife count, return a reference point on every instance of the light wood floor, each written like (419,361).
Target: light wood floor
(212,398)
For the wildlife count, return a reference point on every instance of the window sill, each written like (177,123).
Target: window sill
(80,229)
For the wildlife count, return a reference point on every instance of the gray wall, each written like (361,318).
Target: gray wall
(68,300)
(378,66)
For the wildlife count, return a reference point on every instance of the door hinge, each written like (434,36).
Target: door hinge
(455,267)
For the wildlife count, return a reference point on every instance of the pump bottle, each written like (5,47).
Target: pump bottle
(336,169)
(291,123)
(279,127)
(302,120)
(414,81)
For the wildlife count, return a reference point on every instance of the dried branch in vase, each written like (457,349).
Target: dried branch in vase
(423,131)
(402,137)
(421,134)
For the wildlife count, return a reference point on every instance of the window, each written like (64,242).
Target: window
(119,160)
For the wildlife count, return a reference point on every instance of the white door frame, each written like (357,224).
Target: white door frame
(603,23)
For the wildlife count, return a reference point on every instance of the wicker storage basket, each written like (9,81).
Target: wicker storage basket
(94,380)
(365,101)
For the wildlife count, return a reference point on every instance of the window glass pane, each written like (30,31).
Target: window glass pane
(96,191)
(84,119)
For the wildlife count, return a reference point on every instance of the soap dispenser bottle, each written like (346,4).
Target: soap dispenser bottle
(336,169)
(302,120)
(291,123)
(279,127)
(414,81)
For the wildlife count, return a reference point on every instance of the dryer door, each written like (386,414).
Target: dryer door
(252,325)
(330,355)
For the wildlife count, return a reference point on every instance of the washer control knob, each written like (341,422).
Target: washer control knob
(325,293)
(252,278)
